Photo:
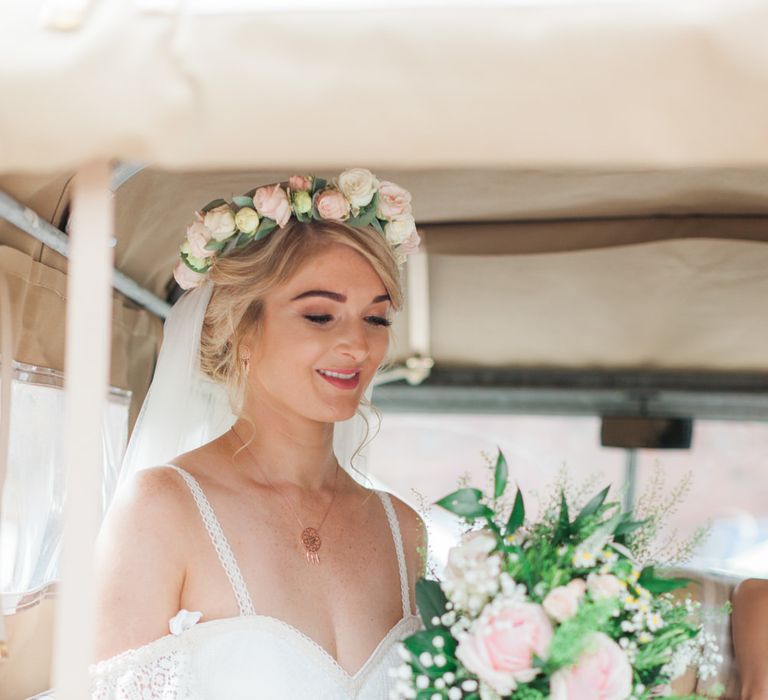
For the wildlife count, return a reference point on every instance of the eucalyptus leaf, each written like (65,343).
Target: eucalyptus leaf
(466,504)
(201,270)
(500,475)
(215,245)
(318,184)
(266,227)
(517,516)
(243,201)
(243,239)
(376,224)
(212,205)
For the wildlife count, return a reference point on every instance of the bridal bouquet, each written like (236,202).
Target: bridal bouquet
(556,609)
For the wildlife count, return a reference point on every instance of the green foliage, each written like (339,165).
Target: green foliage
(266,226)
(500,476)
(212,205)
(517,516)
(366,215)
(655,584)
(466,503)
(430,600)
(243,201)
(572,637)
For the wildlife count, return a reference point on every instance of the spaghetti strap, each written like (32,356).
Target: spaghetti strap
(394,525)
(220,543)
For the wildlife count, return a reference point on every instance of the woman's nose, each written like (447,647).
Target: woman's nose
(353,342)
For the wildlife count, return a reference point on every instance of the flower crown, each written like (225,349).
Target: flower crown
(356,197)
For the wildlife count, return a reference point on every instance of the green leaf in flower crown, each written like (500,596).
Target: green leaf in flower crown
(655,584)
(500,475)
(215,245)
(517,516)
(466,504)
(318,184)
(563,531)
(376,223)
(244,201)
(365,216)
(266,227)
(212,205)
(591,508)
(243,239)
(430,600)
(185,259)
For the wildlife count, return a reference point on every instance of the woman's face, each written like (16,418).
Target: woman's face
(331,318)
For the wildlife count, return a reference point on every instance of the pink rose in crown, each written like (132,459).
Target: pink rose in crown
(562,602)
(300,183)
(273,203)
(394,201)
(186,278)
(410,244)
(332,204)
(601,673)
(198,234)
(501,643)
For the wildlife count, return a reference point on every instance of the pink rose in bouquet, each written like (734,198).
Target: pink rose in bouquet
(501,644)
(601,673)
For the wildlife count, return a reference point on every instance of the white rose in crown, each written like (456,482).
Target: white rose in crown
(220,222)
(400,230)
(358,185)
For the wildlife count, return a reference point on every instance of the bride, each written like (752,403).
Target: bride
(254,565)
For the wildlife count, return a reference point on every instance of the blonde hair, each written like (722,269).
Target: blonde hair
(243,278)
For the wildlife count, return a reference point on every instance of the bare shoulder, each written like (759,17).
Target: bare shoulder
(140,561)
(414,533)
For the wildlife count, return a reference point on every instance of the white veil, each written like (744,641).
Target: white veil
(184,409)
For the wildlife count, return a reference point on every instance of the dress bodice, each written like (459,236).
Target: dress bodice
(249,656)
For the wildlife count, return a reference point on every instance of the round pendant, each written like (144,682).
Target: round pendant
(310,538)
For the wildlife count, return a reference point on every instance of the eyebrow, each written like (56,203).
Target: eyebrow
(335,296)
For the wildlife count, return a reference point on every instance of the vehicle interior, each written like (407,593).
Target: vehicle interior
(590,290)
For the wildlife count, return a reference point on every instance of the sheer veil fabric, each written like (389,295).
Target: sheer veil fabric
(184,409)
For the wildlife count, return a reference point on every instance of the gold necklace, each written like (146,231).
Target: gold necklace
(310,536)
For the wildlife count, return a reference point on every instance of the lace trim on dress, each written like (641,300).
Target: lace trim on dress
(159,670)
(220,543)
(394,525)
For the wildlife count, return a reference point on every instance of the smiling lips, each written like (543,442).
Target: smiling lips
(341,379)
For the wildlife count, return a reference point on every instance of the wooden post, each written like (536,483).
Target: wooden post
(89,320)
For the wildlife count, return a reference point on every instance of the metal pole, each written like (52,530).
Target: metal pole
(28,221)
(88,338)
(630,479)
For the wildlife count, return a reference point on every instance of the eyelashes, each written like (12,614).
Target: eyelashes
(325,318)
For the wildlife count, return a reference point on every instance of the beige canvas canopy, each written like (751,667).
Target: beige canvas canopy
(589,180)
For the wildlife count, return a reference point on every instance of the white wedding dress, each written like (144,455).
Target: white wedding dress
(250,656)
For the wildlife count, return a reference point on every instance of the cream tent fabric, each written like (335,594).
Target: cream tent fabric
(544,84)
